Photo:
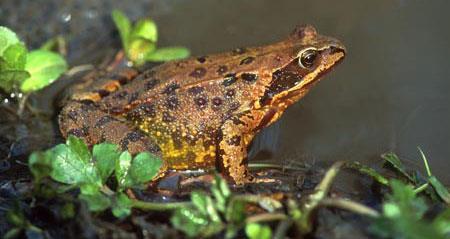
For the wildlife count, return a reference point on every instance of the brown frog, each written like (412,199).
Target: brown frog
(201,112)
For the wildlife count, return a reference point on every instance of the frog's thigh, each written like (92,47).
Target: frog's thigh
(86,121)
(237,133)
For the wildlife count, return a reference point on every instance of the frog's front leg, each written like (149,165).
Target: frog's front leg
(84,119)
(236,134)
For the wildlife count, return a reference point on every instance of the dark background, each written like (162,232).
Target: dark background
(390,94)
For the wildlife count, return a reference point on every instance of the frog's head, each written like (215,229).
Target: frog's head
(311,57)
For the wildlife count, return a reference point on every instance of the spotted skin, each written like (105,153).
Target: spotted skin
(200,112)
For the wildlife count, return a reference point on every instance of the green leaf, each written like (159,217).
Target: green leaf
(15,56)
(44,67)
(79,148)
(121,170)
(189,221)
(193,223)
(258,231)
(402,216)
(71,164)
(97,202)
(442,222)
(168,54)
(123,25)
(200,201)
(368,171)
(440,189)
(221,192)
(395,162)
(146,29)
(235,212)
(138,49)
(122,206)
(12,65)
(144,167)
(105,156)
(7,38)
(10,78)
(12,233)
(40,164)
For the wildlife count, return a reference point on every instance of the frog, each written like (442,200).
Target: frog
(201,112)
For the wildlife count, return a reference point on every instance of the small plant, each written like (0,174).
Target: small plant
(219,211)
(403,216)
(26,71)
(139,41)
(74,165)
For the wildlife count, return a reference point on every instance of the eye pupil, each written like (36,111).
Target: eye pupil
(307,58)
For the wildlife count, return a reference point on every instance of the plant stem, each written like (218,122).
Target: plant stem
(153,206)
(276,166)
(425,162)
(22,102)
(421,188)
(350,206)
(264,217)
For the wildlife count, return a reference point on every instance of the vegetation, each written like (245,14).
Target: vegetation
(139,41)
(104,178)
(25,70)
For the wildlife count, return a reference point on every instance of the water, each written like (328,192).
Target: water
(390,94)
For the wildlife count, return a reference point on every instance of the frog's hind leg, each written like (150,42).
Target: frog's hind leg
(85,120)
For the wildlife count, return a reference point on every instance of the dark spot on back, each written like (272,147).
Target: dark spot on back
(249,77)
(235,140)
(195,90)
(103,120)
(122,79)
(147,109)
(171,88)
(222,69)
(229,79)
(103,93)
(230,93)
(172,102)
(247,60)
(217,101)
(167,117)
(73,115)
(201,59)
(150,84)
(77,132)
(133,136)
(198,72)
(201,102)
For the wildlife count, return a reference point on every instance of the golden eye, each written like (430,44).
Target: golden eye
(307,57)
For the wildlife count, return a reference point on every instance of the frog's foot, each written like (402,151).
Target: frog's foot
(85,120)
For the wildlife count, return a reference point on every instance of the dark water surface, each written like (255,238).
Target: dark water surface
(390,94)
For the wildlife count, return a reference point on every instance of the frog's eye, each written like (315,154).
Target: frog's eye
(307,57)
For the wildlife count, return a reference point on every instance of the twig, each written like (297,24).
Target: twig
(350,206)
(152,206)
(264,217)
